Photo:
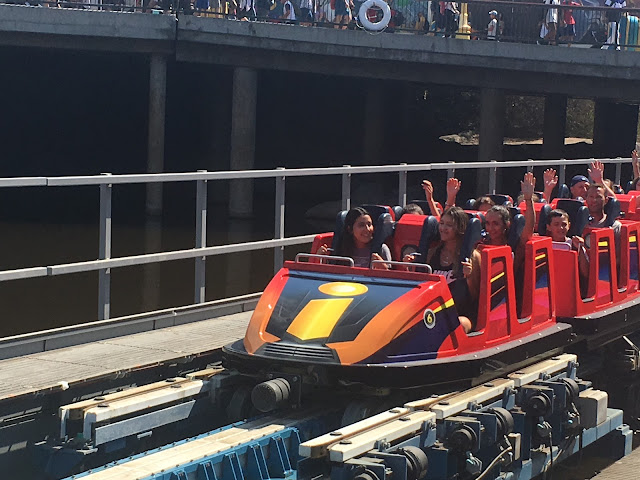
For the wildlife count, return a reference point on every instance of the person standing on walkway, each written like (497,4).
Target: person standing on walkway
(551,21)
(492,28)
(288,12)
(451,14)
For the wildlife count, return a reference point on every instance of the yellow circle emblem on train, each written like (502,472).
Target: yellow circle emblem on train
(429,318)
(343,289)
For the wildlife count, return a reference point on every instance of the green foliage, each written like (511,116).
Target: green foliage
(448,110)
(580,118)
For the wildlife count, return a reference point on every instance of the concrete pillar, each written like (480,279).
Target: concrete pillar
(155,150)
(239,271)
(492,114)
(151,272)
(615,127)
(155,164)
(243,139)
(374,132)
(555,125)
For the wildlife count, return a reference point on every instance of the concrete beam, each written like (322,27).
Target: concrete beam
(413,49)
(486,76)
(555,126)
(86,29)
(523,68)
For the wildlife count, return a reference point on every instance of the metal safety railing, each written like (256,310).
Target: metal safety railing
(521,22)
(105,183)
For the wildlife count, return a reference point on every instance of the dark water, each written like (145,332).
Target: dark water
(69,113)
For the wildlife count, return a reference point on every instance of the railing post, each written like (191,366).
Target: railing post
(618,170)
(201,239)
(530,167)
(451,172)
(493,172)
(402,187)
(562,174)
(104,251)
(278,252)
(346,190)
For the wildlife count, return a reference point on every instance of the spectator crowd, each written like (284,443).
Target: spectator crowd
(550,22)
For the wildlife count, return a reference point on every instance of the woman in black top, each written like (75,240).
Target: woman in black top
(445,260)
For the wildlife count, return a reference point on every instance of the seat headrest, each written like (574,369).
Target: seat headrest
(579,221)
(382,229)
(398,211)
(376,210)
(629,187)
(500,199)
(513,211)
(430,233)
(476,214)
(563,191)
(472,236)
(515,231)
(470,204)
(339,229)
(542,221)
(612,210)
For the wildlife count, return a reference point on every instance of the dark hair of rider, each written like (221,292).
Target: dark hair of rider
(555,214)
(413,209)
(484,201)
(347,245)
(460,218)
(502,212)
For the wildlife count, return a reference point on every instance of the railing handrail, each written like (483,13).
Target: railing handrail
(142,178)
(105,263)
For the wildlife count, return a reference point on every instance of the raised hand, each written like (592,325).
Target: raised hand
(550,178)
(467,267)
(527,185)
(453,187)
(427,186)
(596,172)
(408,258)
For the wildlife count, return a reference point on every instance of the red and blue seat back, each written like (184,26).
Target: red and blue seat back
(602,287)
(539,285)
(497,300)
(407,235)
(628,274)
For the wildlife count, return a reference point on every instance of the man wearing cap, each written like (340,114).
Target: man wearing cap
(492,28)
(579,186)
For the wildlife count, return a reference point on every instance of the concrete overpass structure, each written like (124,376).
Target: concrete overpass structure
(608,76)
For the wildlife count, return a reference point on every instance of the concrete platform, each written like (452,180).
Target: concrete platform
(627,468)
(56,369)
